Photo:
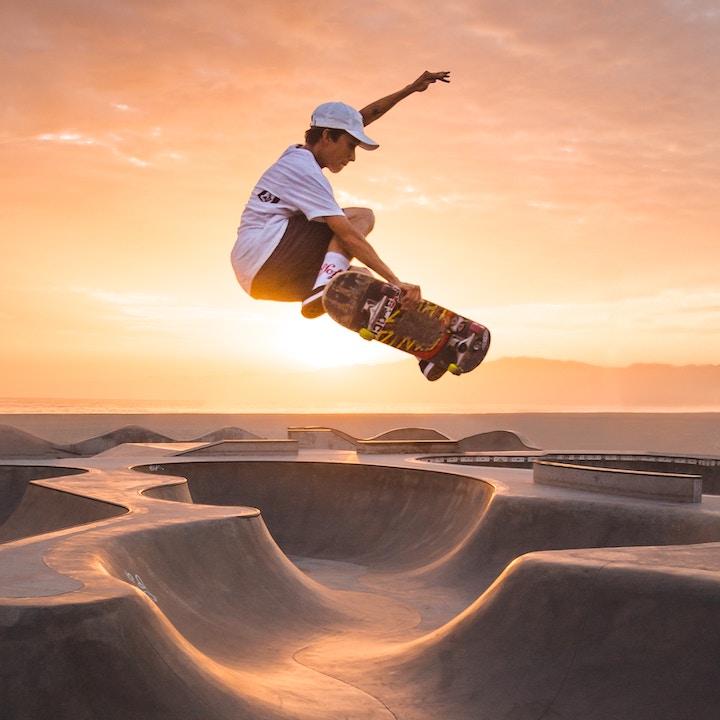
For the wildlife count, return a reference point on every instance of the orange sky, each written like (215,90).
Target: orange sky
(563,189)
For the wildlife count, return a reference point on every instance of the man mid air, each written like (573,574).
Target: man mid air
(293,236)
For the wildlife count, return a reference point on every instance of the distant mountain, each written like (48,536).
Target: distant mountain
(504,384)
(576,384)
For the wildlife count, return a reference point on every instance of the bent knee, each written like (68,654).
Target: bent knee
(361,218)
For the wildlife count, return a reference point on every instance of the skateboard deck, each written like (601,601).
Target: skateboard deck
(441,339)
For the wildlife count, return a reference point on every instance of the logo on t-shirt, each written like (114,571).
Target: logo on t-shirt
(266,196)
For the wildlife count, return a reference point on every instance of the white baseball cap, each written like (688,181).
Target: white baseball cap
(339,116)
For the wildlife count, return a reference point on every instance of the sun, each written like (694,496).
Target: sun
(322,343)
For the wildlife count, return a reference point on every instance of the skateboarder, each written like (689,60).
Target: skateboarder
(293,236)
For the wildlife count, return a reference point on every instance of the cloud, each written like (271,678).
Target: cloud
(117,146)
(155,312)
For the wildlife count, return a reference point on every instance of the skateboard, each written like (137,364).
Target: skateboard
(442,340)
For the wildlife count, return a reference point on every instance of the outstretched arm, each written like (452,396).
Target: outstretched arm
(377,109)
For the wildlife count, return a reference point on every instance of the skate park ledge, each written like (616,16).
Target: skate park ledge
(667,487)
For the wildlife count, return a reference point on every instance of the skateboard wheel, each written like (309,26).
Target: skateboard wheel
(431,370)
(454,369)
(366,334)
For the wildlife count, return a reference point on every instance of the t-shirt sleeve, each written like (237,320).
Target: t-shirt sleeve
(299,183)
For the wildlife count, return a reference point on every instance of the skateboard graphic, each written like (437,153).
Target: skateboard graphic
(442,340)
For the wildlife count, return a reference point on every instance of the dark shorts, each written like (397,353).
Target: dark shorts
(289,274)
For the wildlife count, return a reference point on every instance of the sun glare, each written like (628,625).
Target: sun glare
(320,343)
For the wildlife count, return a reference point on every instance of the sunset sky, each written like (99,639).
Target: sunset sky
(563,189)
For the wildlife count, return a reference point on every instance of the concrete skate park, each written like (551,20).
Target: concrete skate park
(319,575)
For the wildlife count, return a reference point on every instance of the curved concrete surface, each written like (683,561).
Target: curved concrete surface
(359,589)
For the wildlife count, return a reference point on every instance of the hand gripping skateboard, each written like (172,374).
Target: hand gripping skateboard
(441,339)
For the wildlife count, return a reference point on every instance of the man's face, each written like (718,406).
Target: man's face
(335,155)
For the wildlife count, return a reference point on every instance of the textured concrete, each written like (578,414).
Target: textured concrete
(335,585)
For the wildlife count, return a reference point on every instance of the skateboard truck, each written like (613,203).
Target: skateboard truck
(464,338)
(470,342)
(380,311)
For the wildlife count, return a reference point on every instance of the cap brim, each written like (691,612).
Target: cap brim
(366,143)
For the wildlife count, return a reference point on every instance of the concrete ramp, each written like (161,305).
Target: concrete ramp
(592,635)
(196,617)
(30,508)
(240,611)
(326,587)
(381,517)
(418,530)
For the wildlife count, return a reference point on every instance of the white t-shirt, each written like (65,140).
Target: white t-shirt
(294,184)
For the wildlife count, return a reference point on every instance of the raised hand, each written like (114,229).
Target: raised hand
(428,78)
